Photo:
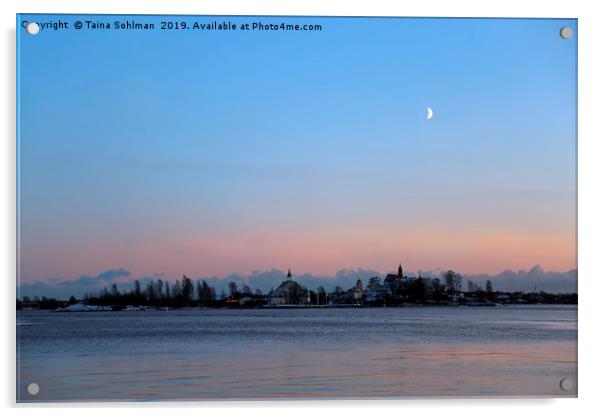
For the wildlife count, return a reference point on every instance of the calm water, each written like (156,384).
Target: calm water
(298,353)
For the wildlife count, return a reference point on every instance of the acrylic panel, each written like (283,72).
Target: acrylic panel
(248,207)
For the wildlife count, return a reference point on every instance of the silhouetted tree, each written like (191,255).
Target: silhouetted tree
(321,296)
(199,292)
(176,294)
(167,294)
(489,290)
(105,297)
(159,289)
(208,292)
(246,290)
(458,282)
(137,293)
(374,283)
(187,290)
(48,303)
(151,295)
(233,289)
(114,291)
(176,289)
(417,290)
(453,281)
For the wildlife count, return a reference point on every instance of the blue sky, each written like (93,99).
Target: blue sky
(213,153)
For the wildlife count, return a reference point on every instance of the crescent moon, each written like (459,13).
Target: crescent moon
(429,113)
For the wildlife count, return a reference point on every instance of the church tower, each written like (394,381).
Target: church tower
(289,276)
(400,271)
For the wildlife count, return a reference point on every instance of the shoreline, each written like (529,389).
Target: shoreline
(133,308)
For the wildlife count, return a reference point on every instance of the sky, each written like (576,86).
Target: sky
(220,153)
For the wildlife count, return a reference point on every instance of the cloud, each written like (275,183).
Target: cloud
(103,278)
(534,279)
(58,288)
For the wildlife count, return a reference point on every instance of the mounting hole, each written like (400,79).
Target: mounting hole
(566,384)
(32,28)
(566,32)
(33,389)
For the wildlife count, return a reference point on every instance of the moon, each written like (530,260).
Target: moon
(429,113)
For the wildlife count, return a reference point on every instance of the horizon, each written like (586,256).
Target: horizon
(236,160)
(506,280)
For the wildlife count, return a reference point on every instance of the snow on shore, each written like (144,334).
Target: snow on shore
(80,307)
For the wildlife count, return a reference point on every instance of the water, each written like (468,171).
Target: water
(297,353)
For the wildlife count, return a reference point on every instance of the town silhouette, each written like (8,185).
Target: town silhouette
(395,289)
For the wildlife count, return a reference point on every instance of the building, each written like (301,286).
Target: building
(395,281)
(289,293)
(358,293)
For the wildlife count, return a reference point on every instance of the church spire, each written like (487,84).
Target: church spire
(289,275)
(400,271)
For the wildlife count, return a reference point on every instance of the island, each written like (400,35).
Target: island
(394,290)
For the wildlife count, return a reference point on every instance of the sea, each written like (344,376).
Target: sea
(278,354)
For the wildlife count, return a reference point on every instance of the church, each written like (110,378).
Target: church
(289,293)
(395,281)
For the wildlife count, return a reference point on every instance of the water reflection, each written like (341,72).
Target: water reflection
(298,353)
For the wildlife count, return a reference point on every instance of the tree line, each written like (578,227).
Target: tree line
(157,294)
(392,290)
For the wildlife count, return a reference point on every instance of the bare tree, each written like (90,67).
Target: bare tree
(159,289)
(114,291)
(150,293)
(187,289)
(489,289)
(233,289)
(199,292)
(208,292)
(246,290)
(453,281)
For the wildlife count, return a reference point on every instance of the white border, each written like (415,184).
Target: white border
(590,190)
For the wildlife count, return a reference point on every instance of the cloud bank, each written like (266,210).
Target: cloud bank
(534,279)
